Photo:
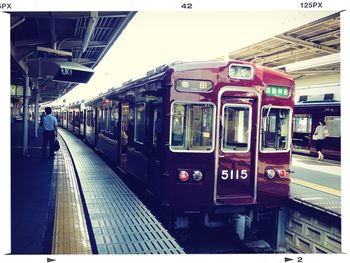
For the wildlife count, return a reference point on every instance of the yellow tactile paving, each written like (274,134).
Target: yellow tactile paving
(70,231)
(317,187)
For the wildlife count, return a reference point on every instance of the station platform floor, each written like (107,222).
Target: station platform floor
(63,207)
(317,183)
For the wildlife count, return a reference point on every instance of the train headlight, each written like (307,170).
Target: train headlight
(240,71)
(183,176)
(197,175)
(281,173)
(270,173)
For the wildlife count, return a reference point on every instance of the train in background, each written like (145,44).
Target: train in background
(307,114)
(210,139)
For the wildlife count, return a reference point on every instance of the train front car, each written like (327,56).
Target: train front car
(228,150)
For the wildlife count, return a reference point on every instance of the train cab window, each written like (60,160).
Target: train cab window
(333,126)
(236,128)
(140,124)
(275,134)
(192,127)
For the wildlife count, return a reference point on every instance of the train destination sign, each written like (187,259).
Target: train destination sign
(277,91)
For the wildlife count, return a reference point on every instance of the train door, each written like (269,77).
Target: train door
(236,168)
(154,153)
(124,136)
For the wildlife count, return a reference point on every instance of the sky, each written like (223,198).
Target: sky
(153,38)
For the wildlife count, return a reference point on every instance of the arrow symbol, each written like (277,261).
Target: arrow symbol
(50,260)
(287,259)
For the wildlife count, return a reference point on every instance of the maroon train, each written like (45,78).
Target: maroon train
(206,138)
(307,115)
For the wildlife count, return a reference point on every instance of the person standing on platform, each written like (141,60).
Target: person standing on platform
(49,123)
(321,133)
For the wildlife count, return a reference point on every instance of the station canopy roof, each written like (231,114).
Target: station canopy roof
(313,40)
(61,49)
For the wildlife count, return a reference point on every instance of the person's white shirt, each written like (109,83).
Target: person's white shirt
(49,122)
(320,132)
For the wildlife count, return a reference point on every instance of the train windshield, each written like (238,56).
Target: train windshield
(275,129)
(192,127)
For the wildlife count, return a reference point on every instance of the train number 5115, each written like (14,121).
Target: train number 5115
(234,175)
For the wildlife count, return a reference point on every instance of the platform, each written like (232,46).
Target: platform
(317,183)
(121,223)
(75,204)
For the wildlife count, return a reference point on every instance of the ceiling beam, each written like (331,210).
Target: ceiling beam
(69,44)
(283,55)
(30,42)
(89,31)
(306,43)
(55,51)
(316,71)
(17,22)
(21,63)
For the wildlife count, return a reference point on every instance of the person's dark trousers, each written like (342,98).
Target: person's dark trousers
(48,137)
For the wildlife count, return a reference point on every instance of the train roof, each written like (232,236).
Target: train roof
(159,73)
(317,103)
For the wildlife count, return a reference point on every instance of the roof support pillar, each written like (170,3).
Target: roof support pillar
(25,115)
(36,110)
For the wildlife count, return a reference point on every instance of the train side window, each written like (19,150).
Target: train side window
(113,120)
(275,134)
(140,123)
(177,135)
(192,127)
(106,116)
(88,118)
(333,126)
(157,126)
(77,116)
(302,123)
(81,118)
